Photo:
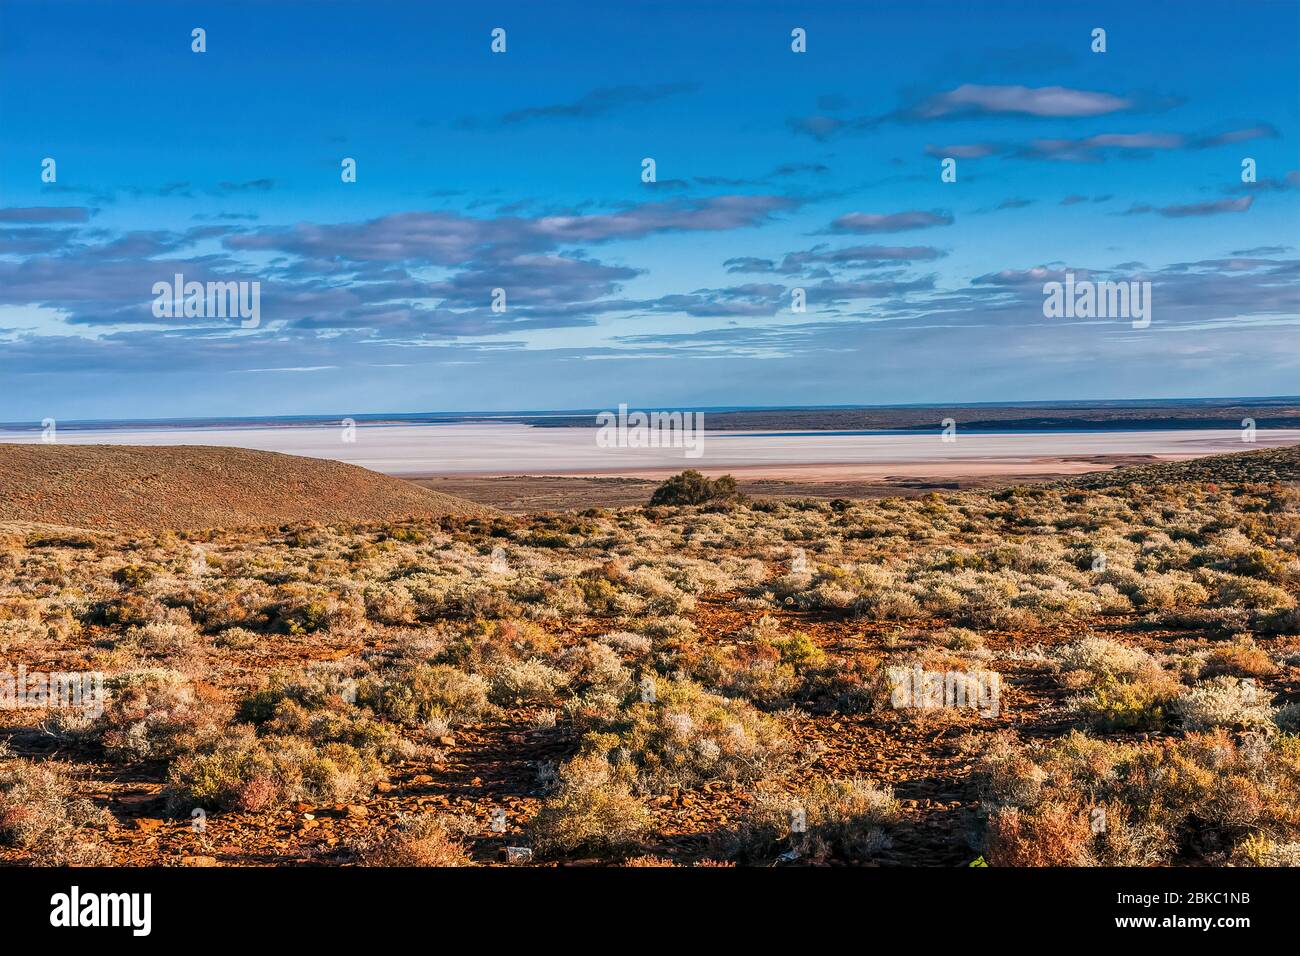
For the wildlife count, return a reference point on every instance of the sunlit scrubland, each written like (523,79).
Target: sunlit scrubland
(678,671)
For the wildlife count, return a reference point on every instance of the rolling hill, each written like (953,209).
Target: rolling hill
(185,487)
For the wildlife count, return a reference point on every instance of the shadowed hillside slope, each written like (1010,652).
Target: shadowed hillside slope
(195,486)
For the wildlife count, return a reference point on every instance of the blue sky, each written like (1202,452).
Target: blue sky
(522,171)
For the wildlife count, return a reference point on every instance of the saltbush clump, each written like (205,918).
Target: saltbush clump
(837,819)
(1080,801)
(41,815)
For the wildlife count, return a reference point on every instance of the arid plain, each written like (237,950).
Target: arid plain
(710,683)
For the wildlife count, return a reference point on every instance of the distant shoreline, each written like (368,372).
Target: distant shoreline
(1074,415)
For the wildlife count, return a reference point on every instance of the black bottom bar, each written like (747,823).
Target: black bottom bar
(524,906)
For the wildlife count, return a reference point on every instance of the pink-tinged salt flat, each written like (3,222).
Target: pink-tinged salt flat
(513,449)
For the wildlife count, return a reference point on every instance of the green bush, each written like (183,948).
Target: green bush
(692,488)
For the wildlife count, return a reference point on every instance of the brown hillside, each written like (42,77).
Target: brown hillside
(196,486)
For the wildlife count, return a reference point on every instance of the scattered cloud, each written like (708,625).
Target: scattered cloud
(818,261)
(1258,131)
(862,222)
(971,99)
(1091,149)
(1212,208)
(598,102)
(965,150)
(248,186)
(43,214)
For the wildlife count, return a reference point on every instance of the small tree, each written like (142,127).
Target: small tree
(692,488)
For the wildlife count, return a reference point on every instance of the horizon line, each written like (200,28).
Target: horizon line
(568,412)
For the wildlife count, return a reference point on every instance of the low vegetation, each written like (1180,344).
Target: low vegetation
(706,679)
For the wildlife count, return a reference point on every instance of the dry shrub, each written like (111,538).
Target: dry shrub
(303,609)
(757,672)
(848,685)
(1252,594)
(1123,688)
(1096,658)
(1051,836)
(424,839)
(843,820)
(596,667)
(151,715)
(1281,622)
(230,603)
(631,646)
(413,696)
(1242,658)
(170,639)
(246,772)
(649,861)
(592,808)
(390,603)
(960,639)
(303,740)
(238,639)
(768,667)
(1195,799)
(20,633)
(40,815)
(687,736)
(1225,702)
(1259,850)
(1143,704)
(1287,718)
(530,681)
(334,720)
(1176,590)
